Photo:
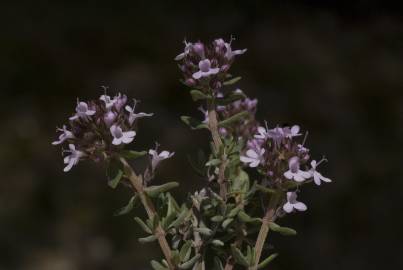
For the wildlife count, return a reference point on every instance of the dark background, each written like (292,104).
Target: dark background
(335,69)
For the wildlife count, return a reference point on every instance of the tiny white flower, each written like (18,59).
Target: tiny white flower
(64,136)
(205,69)
(73,158)
(294,171)
(156,157)
(253,157)
(317,177)
(292,203)
(82,111)
(120,137)
(133,116)
(108,101)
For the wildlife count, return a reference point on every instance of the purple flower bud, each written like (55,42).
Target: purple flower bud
(120,102)
(225,68)
(199,49)
(109,118)
(190,82)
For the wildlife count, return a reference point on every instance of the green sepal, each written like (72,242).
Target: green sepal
(189,263)
(232,81)
(239,257)
(193,123)
(154,191)
(282,230)
(148,239)
(128,207)
(232,119)
(143,225)
(266,261)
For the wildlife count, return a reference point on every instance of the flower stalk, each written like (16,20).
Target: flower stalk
(137,183)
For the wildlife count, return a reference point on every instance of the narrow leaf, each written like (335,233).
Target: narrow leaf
(143,225)
(233,119)
(148,239)
(154,191)
(185,251)
(282,230)
(232,81)
(114,182)
(127,208)
(266,261)
(189,263)
(157,266)
(198,95)
(193,123)
(239,257)
(130,154)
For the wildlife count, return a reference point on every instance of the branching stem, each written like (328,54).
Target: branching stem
(137,183)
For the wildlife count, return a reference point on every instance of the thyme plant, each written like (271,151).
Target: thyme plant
(252,174)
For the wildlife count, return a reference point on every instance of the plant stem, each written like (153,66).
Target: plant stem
(159,232)
(264,229)
(213,126)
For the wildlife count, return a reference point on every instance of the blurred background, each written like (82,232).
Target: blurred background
(334,68)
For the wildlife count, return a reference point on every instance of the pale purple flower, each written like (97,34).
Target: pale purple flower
(220,43)
(317,177)
(73,158)
(64,136)
(229,54)
(109,118)
(291,132)
(205,69)
(188,47)
(120,101)
(277,134)
(133,116)
(82,111)
(120,136)
(294,171)
(262,133)
(292,203)
(253,156)
(156,157)
(108,101)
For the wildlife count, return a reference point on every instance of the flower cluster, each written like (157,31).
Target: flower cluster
(205,66)
(98,129)
(282,161)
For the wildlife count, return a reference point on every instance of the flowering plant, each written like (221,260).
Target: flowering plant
(253,173)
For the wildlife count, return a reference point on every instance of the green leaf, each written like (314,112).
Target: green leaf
(265,189)
(198,95)
(130,154)
(282,230)
(230,99)
(213,162)
(217,219)
(218,264)
(154,191)
(193,123)
(239,257)
(217,243)
(182,216)
(189,263)
(246,218)
(114,182)
(232,81)
(144,226)
(204,231)
(185,251)
(266,261)
(234,212)
(227,222)
(157,266)
(148,239)
(127,208)
(233,119)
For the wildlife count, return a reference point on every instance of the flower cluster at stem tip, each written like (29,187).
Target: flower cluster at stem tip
(99,129)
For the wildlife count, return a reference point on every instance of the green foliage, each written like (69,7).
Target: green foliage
(127,208)
(193,123)
(154,191)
